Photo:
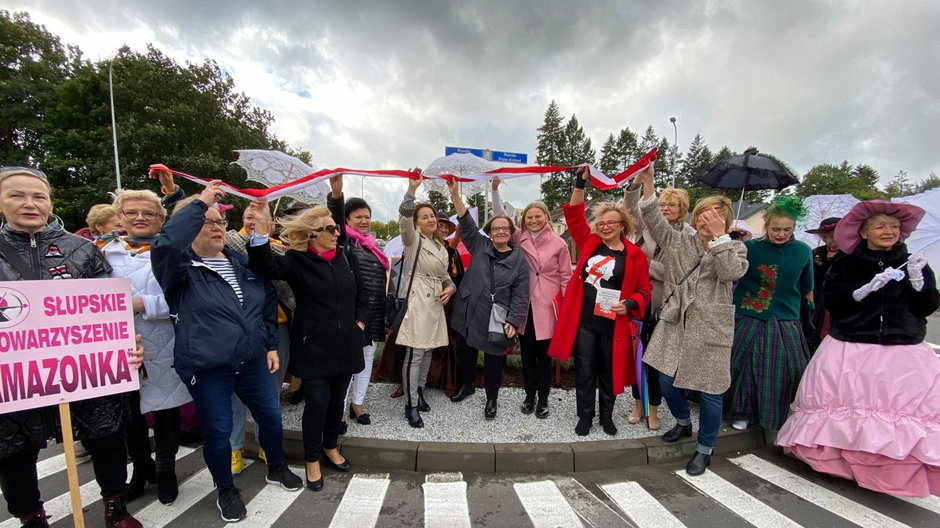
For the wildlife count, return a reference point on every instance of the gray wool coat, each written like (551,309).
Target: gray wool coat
(696,325)
(472,304)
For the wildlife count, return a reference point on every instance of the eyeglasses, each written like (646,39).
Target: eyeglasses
(220,223)
(499,229)
(332,229)
(148,215)
(609,223)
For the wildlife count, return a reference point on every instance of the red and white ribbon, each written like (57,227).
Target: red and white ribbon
(598,178)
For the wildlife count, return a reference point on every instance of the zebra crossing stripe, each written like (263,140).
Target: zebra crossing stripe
(362,501)
(61,506)
(931,503)
(546,506)
(191,491)
(736,500)
(268,505)
(592,510)
(814,493)
(641,507)
(445,501)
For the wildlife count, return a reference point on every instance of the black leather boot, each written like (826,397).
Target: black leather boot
(413,416)
(608,424)
(698,464)
(167,487)
(37,519)
(462,394)
(422,403)
(677,432)
(528,405)
(145,471)
(489,412)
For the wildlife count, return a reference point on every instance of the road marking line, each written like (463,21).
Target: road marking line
(814,493)
(362,501)
(445,501)
(61,506)
(192,490)
(937,347)
(931,503)
(592,510)
(735,499)
(545,505)
(641,507)
(268,505)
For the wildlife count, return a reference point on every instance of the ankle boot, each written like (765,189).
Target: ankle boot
(37,519)
(413,416)
(145,471)
(116,515)
(422,404)
(463,393)
(489,412)
(167,487)
(607,423)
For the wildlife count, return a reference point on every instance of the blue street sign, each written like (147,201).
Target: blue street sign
(491,155)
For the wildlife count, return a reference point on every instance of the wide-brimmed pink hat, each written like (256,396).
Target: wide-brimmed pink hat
(847,231)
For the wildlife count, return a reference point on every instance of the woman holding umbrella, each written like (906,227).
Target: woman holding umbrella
(771,300)
(867,406)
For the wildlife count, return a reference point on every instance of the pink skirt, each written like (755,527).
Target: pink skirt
(870,413)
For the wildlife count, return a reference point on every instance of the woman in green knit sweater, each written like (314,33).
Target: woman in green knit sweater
(770,352)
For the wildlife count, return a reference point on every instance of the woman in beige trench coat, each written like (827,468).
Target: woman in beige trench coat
(691,346)
(424,327)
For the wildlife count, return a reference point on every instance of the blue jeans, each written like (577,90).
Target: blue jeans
(709,419)
(238,408)
(212,393)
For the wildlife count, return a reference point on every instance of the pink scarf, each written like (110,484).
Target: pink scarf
(368,242)
(325,255)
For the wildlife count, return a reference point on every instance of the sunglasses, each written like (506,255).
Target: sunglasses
(332,229)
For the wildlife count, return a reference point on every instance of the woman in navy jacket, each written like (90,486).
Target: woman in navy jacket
(225,319)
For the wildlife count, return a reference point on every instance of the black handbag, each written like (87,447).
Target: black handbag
(496,329)
(395,306)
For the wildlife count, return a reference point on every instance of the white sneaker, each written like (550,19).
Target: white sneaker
(739,425)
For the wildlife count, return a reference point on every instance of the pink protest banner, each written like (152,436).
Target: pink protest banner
(64,341)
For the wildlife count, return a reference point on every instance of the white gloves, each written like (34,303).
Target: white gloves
(915,270)
(878,282)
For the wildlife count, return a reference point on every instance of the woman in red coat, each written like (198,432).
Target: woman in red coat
(610,285)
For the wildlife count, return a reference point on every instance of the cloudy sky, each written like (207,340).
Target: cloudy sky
(387,84)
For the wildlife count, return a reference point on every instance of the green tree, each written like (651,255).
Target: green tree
(930,182)
(697,160)
(859,181)
(900,186)
(439,200)
(392,229)
(189,117)
(32,63)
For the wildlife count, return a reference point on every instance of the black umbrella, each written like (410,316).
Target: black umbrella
(749,172)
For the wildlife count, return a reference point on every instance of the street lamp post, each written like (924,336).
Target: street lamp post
(117,163)
(675,149)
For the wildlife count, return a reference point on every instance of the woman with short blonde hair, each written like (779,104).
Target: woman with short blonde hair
(296,230)
(101,220)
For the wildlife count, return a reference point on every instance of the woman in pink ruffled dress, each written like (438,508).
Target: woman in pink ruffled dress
(868,406)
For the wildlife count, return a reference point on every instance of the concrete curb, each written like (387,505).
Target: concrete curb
(518,457)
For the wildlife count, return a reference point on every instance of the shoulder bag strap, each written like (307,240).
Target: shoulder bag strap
(13,257)
(414,266)
(684,277)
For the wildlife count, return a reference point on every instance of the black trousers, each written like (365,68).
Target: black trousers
(493,374)
(536,365)
(166,435)
(593,361)
(20,483)
(323,411)
(466,362)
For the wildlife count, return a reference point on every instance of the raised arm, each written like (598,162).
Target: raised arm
(336,204)
(469,232)
(406,211)
(169,251)
(260,257)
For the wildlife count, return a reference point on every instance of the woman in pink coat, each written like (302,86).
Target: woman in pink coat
(549,271)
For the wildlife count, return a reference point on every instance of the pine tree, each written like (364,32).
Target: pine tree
(550,151)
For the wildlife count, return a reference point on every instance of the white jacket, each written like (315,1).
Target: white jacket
(163,388)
